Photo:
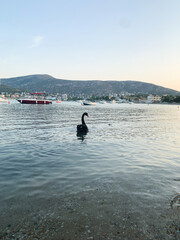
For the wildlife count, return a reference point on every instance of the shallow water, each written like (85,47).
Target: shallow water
(131,152)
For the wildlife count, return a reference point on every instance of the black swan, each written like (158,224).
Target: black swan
(82,128)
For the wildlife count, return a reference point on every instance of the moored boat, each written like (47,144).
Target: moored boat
(88,103)
(113,101)
(102,102)
(3,100)
(39,99)
(33,101)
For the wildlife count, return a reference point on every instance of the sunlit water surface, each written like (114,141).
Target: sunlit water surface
(130,149)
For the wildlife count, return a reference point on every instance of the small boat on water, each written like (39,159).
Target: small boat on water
(88,103)
(113,102)
(38,98)
(3,100)
(102,102)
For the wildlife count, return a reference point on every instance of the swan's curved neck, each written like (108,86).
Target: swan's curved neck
(83,122)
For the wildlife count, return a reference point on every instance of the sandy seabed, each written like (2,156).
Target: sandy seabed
(92,214)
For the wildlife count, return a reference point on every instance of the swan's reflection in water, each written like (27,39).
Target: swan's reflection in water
(81,135)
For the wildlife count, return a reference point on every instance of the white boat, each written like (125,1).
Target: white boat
(102,102)
(122,101)
(88,103)
(3,100)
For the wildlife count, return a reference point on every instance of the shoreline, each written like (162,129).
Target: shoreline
(92,214)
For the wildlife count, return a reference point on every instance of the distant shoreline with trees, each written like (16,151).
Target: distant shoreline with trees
(171,99)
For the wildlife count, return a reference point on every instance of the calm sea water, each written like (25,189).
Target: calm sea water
(130,149)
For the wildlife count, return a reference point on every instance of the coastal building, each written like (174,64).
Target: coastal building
(115,95)
(153,99)
(64,97)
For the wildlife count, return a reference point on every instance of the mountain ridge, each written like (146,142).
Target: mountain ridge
(8,89)
(45,82)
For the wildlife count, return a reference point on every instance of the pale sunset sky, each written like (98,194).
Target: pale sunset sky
(92,40)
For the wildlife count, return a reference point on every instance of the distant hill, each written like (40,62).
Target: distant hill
(8,89)
(33,83)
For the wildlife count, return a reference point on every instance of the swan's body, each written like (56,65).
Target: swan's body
(82,128)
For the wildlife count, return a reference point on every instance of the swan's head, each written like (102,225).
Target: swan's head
(85,114)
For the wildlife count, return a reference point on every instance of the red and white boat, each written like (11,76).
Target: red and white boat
(38,99)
